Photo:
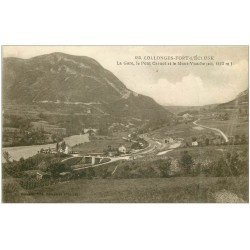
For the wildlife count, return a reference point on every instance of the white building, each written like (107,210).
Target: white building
(194,143)
(169,140)
(87,130)
(122,149)
(187,116)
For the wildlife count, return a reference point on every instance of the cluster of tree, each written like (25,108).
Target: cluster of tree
(112,150)
(222,116)
(239,139)
(15,121)
(29,137)
(31,183)
(103,131)
(243,111)
(143,169)
(33,137)
(186,162)
(88,173)
(155,124)
(56,167)
(44,162)
(136,145)
(62,146)
(230,165)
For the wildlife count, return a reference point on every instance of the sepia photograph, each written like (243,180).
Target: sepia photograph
(125,124)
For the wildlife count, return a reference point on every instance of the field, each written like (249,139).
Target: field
(179,189)
(183,130)
(230,127)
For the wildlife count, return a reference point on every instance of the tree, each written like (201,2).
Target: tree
(221,168)
(103,130)
(6,156)
(243,139)
(236,139)
(63,145)
(226,117)
(56,168)
(90,173)
(42,116)
(227,166)
(186,161)
(233,163)
(165,168)
(207,141)
(104,172)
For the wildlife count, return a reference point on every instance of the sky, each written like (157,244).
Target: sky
(167,84)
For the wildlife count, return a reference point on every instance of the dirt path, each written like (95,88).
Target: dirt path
(215,129)
(164,152)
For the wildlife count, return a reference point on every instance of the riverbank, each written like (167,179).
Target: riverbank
(27,151)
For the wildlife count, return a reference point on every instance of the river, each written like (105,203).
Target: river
(27,151)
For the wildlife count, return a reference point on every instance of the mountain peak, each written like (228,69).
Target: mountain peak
(60,56)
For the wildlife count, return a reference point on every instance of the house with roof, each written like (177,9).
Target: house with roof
(122,149)
(90,131)
(169,140)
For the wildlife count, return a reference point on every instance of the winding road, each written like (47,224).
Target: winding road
(214,129)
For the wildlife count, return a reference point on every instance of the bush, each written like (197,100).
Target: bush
(31,183)
(165,168)
(143,169)
(56,168)
(186,162)
(90,173)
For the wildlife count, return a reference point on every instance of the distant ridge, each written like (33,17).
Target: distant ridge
(241,100)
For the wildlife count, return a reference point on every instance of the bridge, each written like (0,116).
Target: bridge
(92,159)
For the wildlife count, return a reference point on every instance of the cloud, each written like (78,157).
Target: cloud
(193,90)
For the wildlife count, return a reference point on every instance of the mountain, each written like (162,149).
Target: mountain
(63,78)
(241,101)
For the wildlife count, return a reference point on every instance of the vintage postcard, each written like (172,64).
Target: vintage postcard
(125,124)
